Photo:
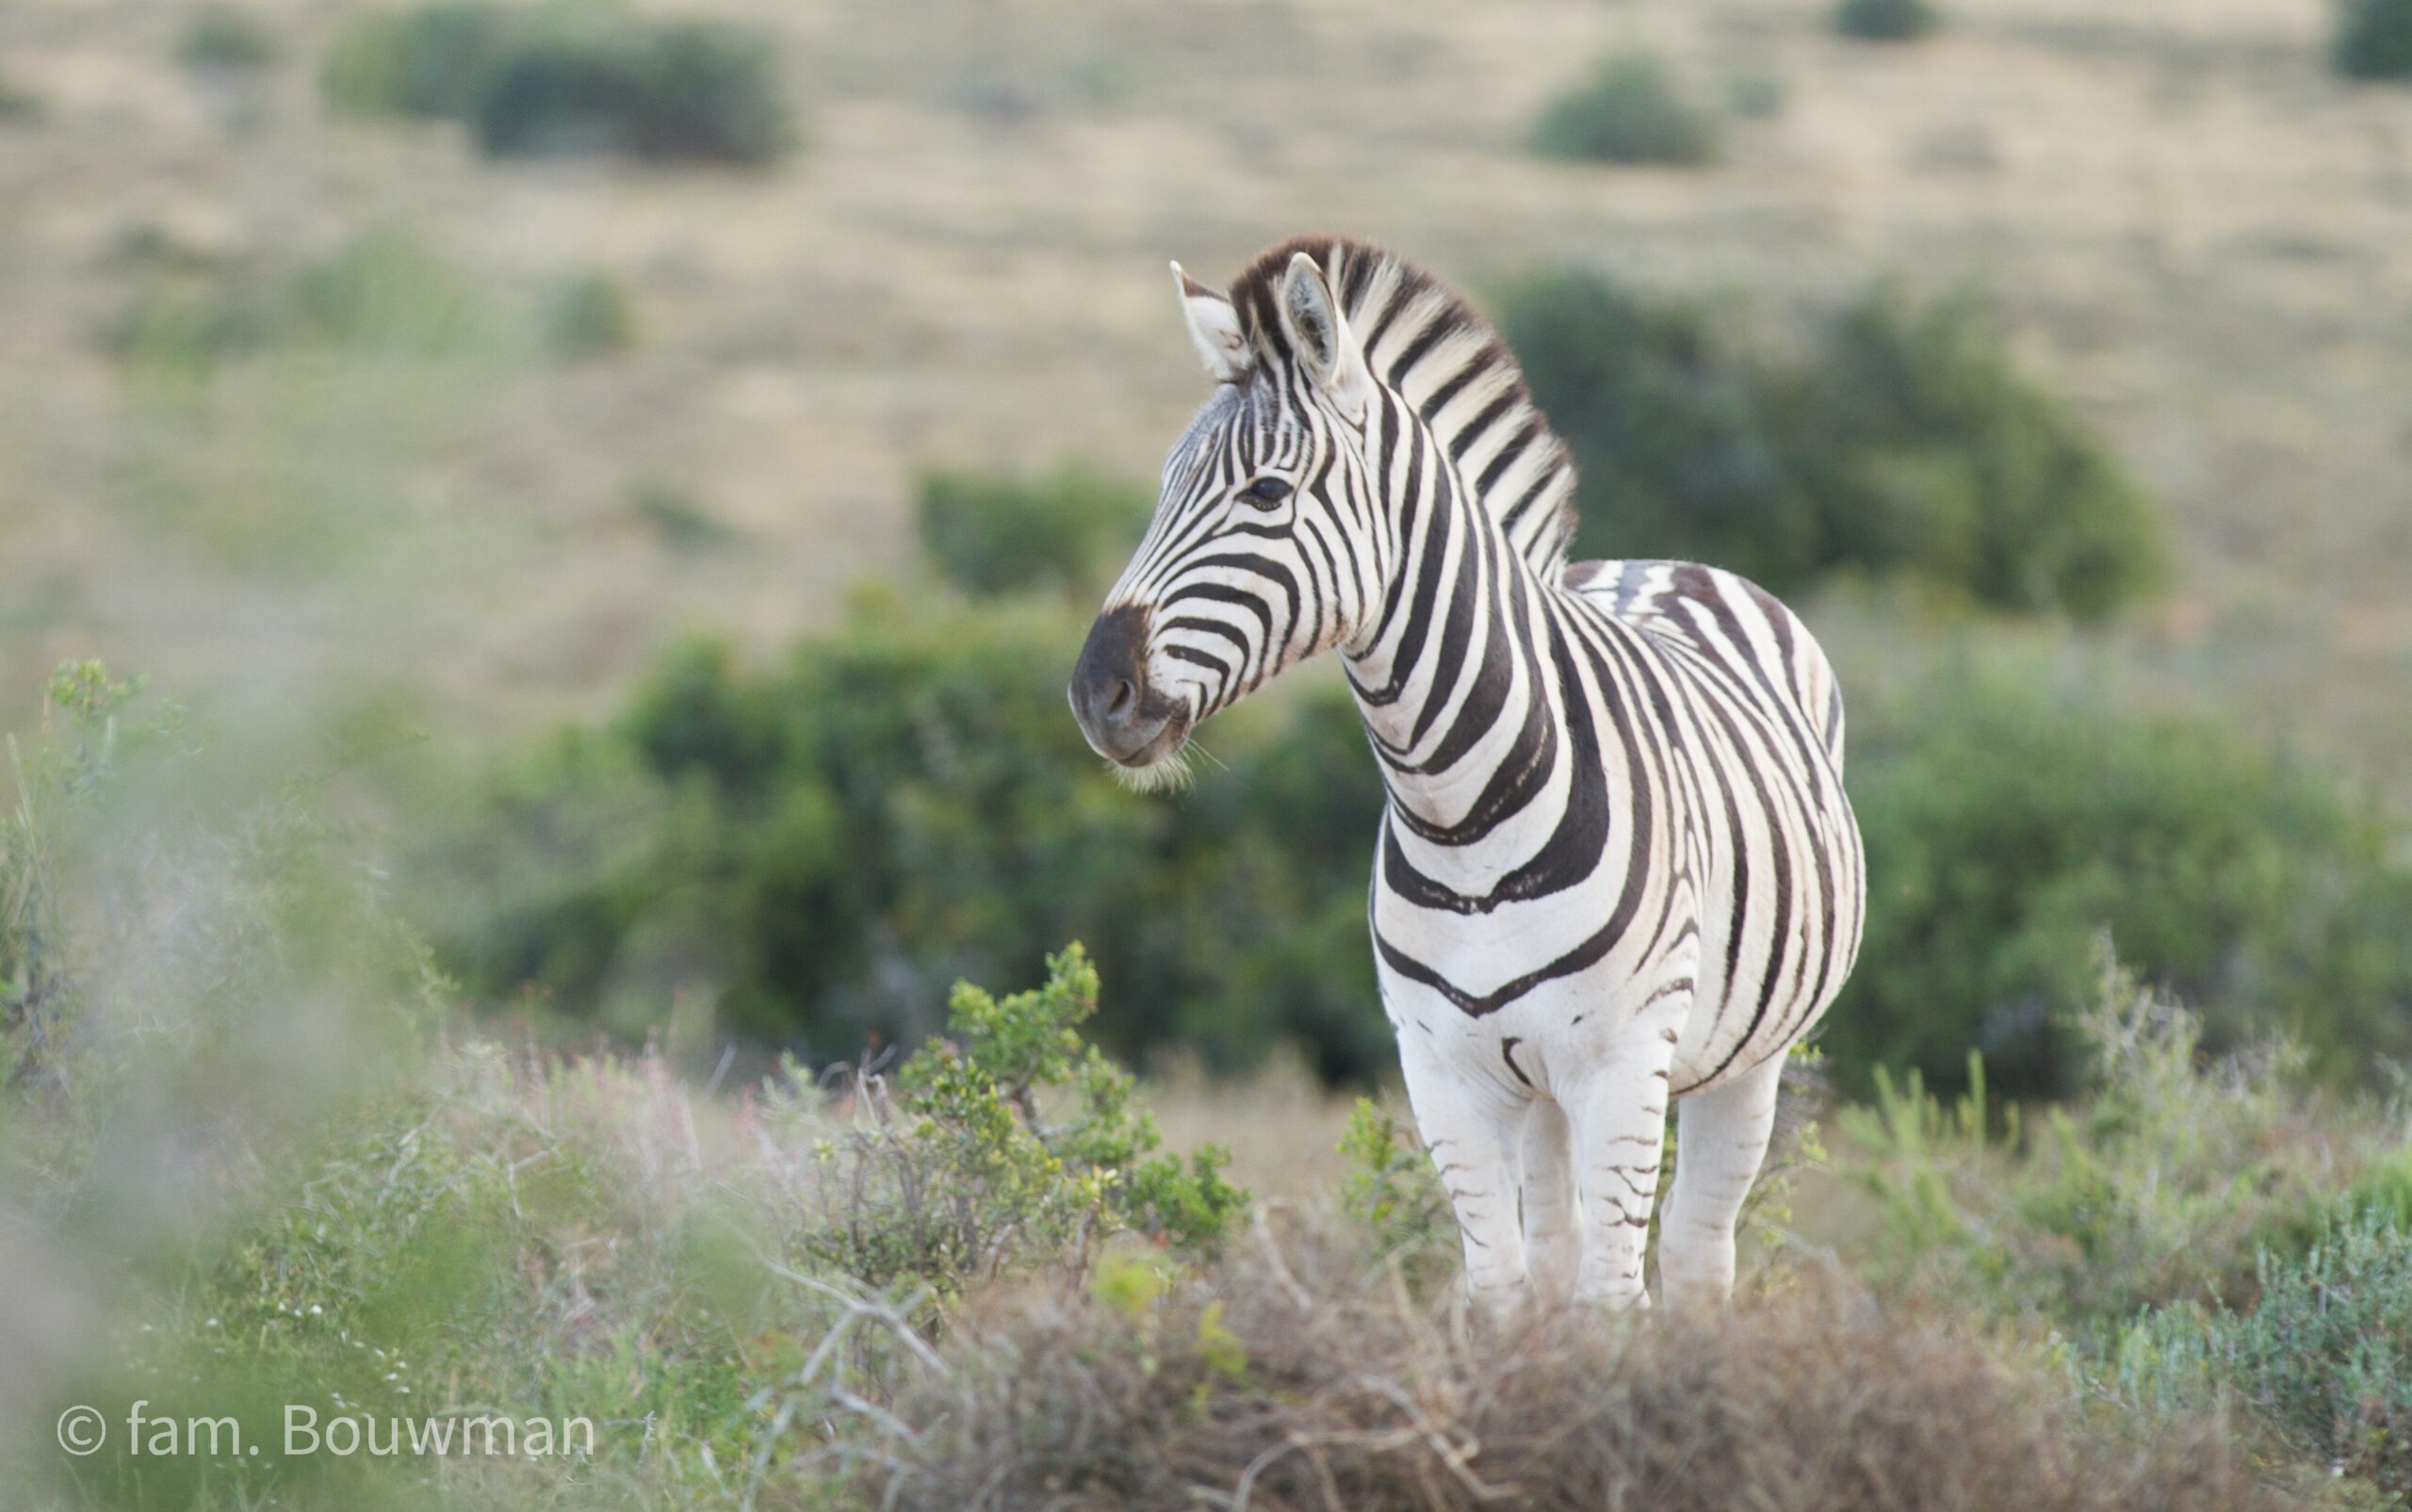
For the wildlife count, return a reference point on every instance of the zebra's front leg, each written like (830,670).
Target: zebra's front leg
(1722,1138)
(1473,1130)
(1619,1127)
(1552,1218)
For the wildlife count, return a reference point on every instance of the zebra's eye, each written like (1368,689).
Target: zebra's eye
(1266,490)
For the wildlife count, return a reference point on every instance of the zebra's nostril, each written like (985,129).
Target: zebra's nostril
(1124,696)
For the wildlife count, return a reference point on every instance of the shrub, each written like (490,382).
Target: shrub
(1069,529)
(2375,40)
(219,36)
(963,1178)
(2006,824)
(1906,441)
(1392,1191)
(182,320)
(175,924)
(571,93)
(431,61)
(1628,111)
(2160,1187)
(2323,1356)
(673,512)
(1296,1378)
(709,92)
(1676,423)
(823,847)
(1887,20)
(1928,451)
(383,290)
(820,847)
(529,83)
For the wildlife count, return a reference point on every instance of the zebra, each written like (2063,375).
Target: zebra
(1616,865)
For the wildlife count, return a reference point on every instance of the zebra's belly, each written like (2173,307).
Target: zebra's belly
(1537,995)
(1528,993)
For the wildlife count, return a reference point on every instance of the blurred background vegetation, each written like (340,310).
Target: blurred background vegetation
(607,496)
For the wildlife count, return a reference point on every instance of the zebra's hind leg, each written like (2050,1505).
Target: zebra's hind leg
(1553,1232)
(1720,1138)
(1472,1131)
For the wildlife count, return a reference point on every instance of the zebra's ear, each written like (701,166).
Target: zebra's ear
(1215,327)
(1320,334)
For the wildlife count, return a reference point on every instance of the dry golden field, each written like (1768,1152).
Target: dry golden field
(2189,223)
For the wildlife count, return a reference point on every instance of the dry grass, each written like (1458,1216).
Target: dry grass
(1299,1379)
(1281,1126)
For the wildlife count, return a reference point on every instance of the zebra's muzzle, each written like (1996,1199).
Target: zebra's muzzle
(1125,719)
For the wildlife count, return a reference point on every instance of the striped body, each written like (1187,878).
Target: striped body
(1682,829)
(1617,865)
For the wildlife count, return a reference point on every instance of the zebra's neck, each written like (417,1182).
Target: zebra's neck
(1457,677)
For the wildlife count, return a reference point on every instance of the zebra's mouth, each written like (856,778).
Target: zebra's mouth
(1162,763)
(1163,747)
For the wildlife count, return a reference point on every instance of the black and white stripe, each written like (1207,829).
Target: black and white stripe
(1617,865)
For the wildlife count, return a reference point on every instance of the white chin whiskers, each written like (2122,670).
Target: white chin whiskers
(1170,773)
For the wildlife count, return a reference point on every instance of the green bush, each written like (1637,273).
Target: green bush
(431,61)
(820,847)
(1887,20)
(964,1178)
(1904,442)
(2006,824)
(535,81)
(1928,451)
(2323,1356)
(709,92)
(823,847)
(2131,1198)
(1071,529)
(220,36)
(1676,423)
(587,315)
(385,290)
(2374,39)
(1628,111)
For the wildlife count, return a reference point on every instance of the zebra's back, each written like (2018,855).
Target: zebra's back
(1783,904)
(1731,622)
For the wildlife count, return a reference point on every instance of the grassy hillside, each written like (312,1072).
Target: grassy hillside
(2190,224)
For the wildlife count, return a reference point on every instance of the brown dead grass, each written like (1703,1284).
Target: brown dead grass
(1300,1380)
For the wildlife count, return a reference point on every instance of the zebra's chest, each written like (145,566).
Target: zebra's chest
(1468,943)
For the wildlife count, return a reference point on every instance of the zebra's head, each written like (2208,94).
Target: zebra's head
(1264,549)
